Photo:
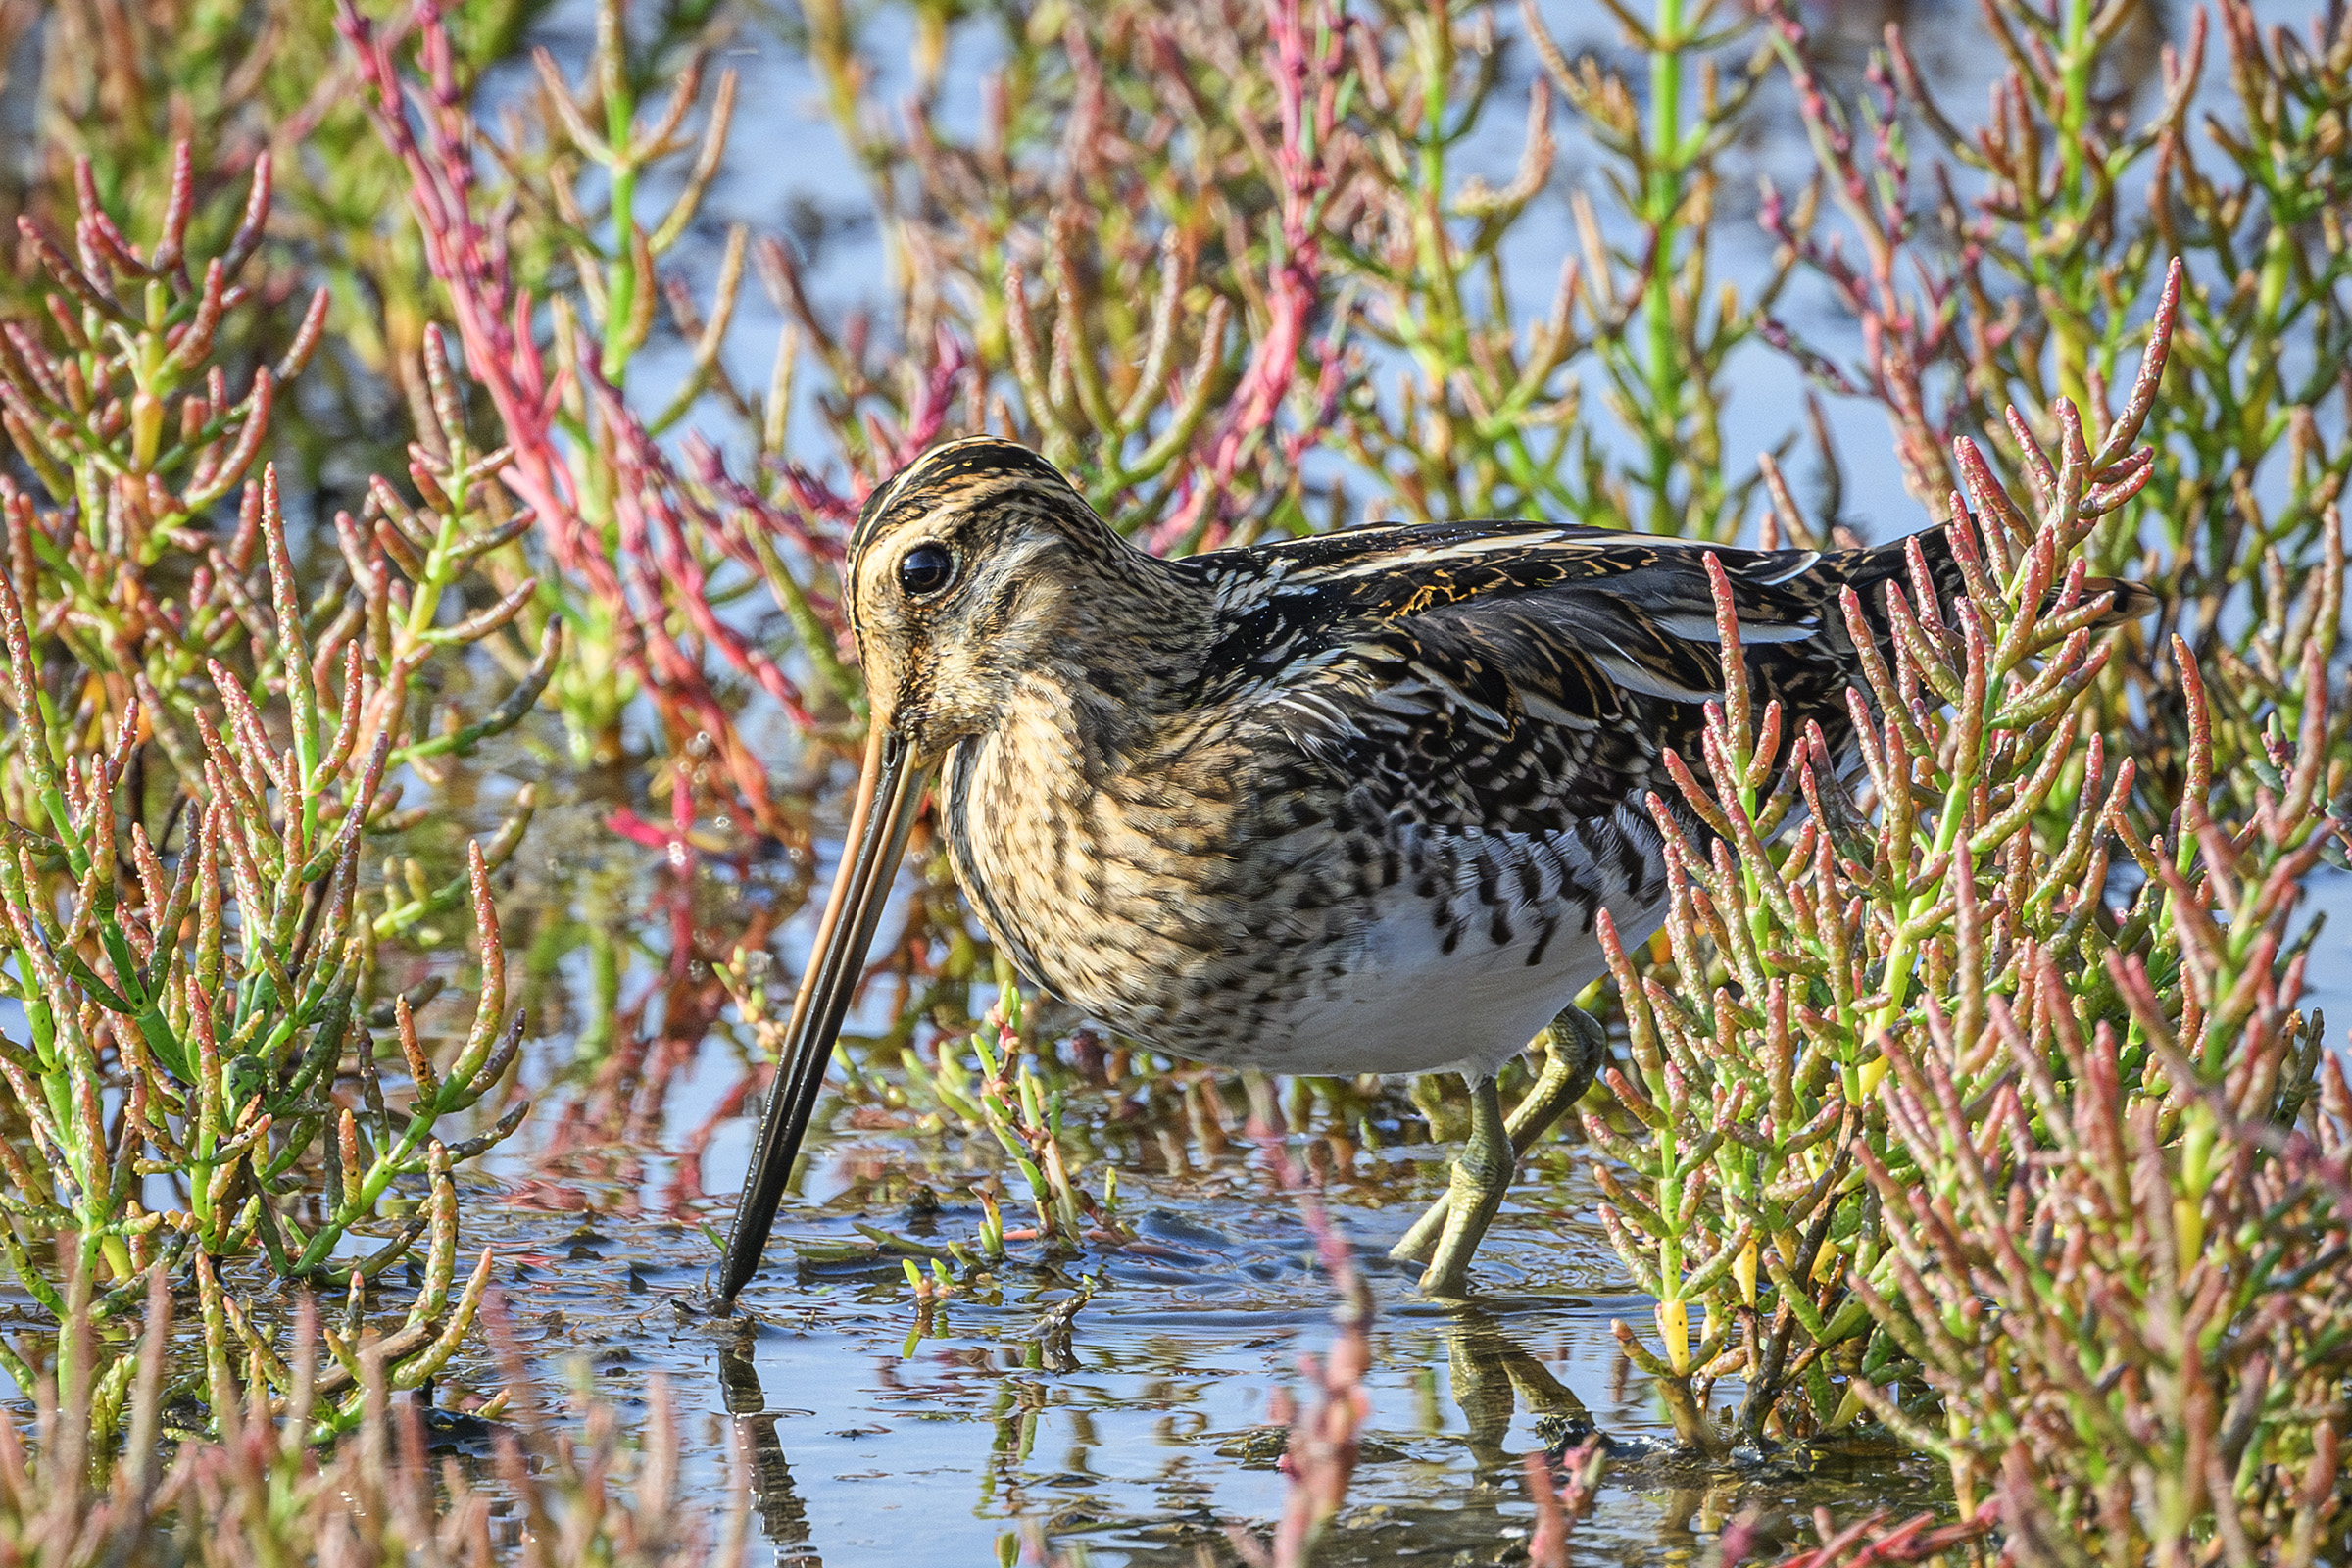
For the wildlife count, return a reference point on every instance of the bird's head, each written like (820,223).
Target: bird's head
(975,568)
(970,567)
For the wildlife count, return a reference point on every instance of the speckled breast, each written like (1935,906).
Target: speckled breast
(1201,902)
(1171,896)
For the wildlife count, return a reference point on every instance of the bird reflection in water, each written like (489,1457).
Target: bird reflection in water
(1494,1379)
(783,1514)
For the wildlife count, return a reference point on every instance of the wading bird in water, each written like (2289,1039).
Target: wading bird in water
(1341,804)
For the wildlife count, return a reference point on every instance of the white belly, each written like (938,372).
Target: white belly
(1404,1006)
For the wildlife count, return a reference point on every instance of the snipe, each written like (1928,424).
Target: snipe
(1341,804)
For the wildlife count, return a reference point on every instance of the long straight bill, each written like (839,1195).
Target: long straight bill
(890,794)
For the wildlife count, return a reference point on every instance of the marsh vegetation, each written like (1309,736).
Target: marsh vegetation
(431,436)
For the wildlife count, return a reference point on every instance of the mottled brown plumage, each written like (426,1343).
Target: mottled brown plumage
(1346,804)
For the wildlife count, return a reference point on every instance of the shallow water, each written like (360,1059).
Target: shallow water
(882,1430)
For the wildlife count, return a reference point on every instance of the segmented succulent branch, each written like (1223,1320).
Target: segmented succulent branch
(1917,1115)
(636,554)
(2011,260)
(1802,966)
(264,1489)
(1192,249)
(222,971)
(121,406)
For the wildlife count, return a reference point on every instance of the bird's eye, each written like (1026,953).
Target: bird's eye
(925,569)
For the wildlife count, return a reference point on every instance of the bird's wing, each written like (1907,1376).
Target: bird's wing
(1517,677)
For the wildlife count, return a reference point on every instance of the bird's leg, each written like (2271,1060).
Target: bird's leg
(1575,1047)
(1482,1175)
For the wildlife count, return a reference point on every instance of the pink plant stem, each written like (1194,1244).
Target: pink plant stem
(1302,168)
(651,576)
(1321,1457)
(469,261)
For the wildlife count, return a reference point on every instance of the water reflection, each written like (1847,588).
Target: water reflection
(1494,1379)
(1145,1431)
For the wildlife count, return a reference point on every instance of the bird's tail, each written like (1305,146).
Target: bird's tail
(1869,570)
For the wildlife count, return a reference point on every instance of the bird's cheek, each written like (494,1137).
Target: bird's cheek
(947,715)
